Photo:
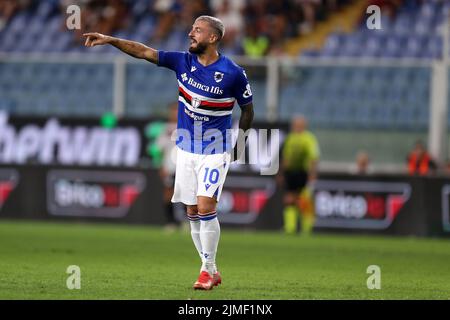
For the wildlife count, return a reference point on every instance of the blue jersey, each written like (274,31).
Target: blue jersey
(206,97)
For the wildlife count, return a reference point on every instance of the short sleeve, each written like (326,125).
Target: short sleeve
(241,89)
(170,59)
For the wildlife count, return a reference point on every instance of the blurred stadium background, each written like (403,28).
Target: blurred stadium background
(363,91)
(360,88)
(79,129)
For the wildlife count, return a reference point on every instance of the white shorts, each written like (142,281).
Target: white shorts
(199,175)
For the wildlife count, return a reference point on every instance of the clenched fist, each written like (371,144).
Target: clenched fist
(95,38)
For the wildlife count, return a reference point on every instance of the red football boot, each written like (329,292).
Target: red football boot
(204,281)
(217,279)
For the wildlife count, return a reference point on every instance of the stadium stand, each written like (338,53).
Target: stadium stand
(368,97)
(358,97)
(382,97)
(411,33)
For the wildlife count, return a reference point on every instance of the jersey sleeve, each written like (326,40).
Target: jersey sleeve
(241,89)
(170,59)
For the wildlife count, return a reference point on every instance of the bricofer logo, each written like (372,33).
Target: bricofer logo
(93,193)
(445,193)
(244,198)
(8,182)
(359,204)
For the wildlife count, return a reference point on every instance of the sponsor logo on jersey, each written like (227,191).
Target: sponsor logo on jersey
(193,68)
(195,117)
(201,86)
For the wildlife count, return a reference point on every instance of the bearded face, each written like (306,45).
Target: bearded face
(200,37)
(197,47)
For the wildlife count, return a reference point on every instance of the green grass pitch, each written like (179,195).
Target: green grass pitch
(135,262)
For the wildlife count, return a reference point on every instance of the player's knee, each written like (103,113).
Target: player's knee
(206,209)
(192,210)
(206,205)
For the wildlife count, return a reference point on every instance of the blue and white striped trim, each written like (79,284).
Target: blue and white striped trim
(193,217)
(208,216)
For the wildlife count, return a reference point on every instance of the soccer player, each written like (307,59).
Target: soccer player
(209,83)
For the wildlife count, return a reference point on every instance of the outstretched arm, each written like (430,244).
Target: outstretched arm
(134,49)
(245,123)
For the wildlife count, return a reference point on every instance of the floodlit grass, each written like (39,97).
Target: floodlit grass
(131,262)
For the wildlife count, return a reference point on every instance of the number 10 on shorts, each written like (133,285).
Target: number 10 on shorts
(212,176)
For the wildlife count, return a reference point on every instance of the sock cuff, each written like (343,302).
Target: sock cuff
(208,216)
(193,217)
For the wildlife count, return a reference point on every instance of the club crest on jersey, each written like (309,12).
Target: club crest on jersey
(218,76)
(196,102)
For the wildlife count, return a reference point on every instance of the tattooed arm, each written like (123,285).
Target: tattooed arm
(134,49)
(245,123)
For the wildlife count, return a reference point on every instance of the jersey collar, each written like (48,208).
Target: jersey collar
(209,65)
